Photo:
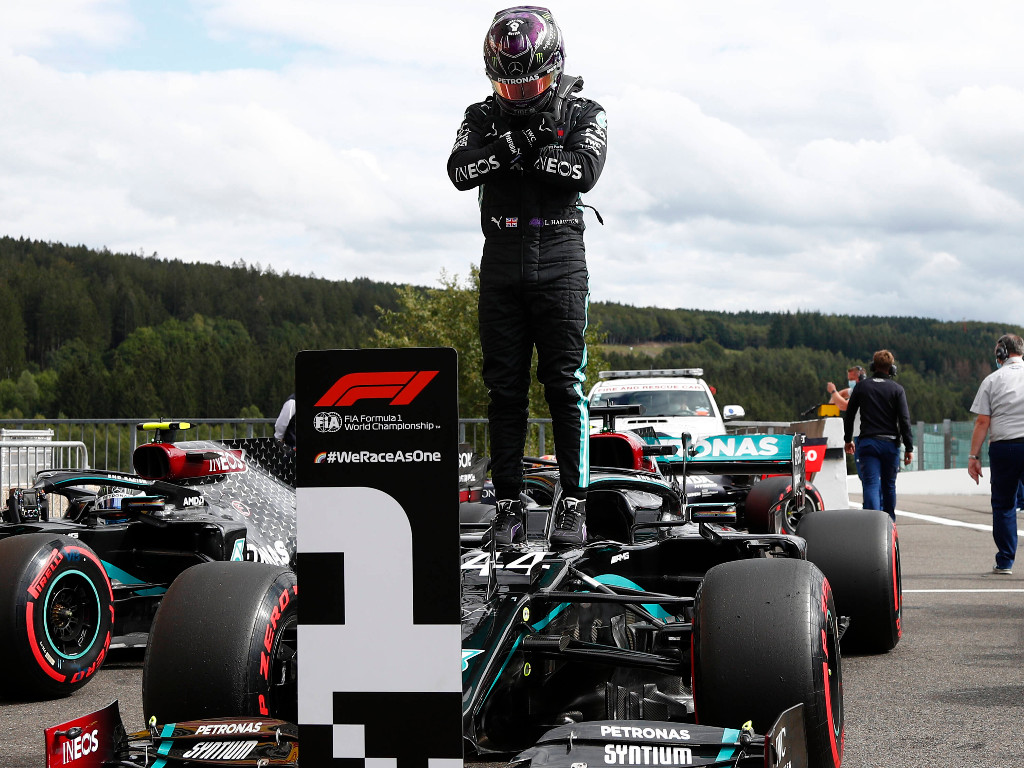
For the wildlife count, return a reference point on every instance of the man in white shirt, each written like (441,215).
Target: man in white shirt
(1000,408)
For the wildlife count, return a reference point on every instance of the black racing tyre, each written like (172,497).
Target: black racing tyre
(771,508)
(56,614)
(859,551)
(223,644)
(765,638)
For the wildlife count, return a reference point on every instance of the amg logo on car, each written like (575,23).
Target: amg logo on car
(221,750)
(401,387)
(646,754)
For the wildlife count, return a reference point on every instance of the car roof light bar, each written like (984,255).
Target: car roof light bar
(653,373)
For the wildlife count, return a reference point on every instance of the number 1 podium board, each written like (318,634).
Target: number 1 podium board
(379,638)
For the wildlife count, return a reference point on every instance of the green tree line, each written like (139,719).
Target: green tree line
(96,334)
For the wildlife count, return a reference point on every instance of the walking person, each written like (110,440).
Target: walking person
(884,422)
(532,147)
(999,406)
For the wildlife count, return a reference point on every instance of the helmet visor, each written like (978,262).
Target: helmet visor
(523,91)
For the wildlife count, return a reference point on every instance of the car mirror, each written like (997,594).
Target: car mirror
(731,412)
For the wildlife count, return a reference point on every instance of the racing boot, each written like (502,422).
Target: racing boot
(509,526)
(570,529)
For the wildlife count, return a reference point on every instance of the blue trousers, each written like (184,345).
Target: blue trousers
(879,462)
(1006,470)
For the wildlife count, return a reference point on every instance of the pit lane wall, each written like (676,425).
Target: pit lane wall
(836,486)
(945,482)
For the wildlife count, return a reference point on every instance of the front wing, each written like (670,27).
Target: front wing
(652,743)
(98,740)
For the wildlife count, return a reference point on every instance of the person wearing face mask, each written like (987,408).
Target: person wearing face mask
(531,149)
(999,406)
(885,421)
(841,397)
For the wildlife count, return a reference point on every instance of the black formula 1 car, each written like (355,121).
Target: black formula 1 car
(754,483)
(662,622)
(86,555)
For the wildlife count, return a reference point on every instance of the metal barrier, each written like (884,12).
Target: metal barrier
(21,459)
(111,442)
(474,432)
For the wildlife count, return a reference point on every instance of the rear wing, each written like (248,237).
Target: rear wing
(738,455)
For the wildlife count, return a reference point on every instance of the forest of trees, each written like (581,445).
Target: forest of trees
(95,334)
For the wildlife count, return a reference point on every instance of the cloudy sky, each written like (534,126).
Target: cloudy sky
(762,155)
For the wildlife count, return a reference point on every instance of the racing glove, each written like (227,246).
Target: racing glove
(510,147)
(541,129)
(516,146)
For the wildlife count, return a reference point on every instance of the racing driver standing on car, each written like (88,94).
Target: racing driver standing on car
(532,148)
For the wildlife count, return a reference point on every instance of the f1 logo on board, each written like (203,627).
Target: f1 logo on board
(401,387)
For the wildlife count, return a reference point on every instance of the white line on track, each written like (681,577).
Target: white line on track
(952,591)
(947,521)
(943,520)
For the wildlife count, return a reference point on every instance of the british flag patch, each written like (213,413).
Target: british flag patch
(512,222)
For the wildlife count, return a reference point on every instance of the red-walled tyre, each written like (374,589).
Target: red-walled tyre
(771,508)
(859,551)
(223,644)
(765,638)
(56,615)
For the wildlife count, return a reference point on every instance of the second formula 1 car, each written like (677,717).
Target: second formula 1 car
(87,555)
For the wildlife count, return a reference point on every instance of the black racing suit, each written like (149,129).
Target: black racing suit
(533,280)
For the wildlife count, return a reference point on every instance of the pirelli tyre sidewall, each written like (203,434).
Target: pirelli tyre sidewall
(222,644)
(56,614)
(765,638)
(859,551)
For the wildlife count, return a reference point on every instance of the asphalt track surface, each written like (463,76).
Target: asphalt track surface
(951,694)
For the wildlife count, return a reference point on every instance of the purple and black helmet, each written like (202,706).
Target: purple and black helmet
(524,56)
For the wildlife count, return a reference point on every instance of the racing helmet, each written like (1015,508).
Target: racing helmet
(524,58)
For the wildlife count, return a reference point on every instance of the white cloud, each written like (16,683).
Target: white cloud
(783,156)
(42,26)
